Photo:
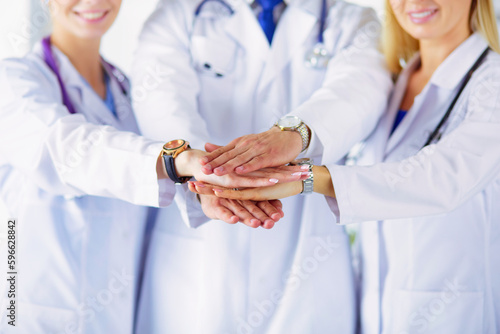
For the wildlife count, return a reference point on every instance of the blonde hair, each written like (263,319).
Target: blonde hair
(399,46)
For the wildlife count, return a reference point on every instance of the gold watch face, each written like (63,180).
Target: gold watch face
(174,145)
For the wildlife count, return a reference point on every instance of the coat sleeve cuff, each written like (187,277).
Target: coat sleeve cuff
(189,207)
(341,205)
(152,191)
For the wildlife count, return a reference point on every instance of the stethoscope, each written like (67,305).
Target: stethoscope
(316,58)
(50,60)
(355,153)
(319,56)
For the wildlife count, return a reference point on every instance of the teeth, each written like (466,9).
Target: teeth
(92,16)
(422,14)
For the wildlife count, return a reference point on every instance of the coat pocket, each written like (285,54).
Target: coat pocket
(437,312)
(213,57)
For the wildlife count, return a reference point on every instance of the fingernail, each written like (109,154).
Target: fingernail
(276,216)
(255,222)
(235,218)
(274,180)
(297,174)
(304,167)
(207,168)
(269,223)
(217,190)
(240,169)
(219,169)
(201,185)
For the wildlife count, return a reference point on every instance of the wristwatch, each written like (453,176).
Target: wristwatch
(307,184)
(293,123)
(170,151)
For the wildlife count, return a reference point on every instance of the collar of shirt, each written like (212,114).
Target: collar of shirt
(454,68)
(451,72)
(277,12)
(252,2)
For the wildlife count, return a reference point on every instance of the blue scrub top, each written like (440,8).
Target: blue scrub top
(399,118)
(109,100)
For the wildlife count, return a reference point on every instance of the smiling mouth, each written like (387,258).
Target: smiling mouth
(92,16)
(422,15)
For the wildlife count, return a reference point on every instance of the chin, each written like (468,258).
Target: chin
(90,34)
(93,30)
(423,33)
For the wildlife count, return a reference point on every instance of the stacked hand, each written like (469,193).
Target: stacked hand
(253,152)
(252,213)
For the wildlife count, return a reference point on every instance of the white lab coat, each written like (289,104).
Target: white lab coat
(431,251)
(219,278)
(77,255)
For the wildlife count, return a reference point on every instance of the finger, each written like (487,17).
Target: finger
(228,161)
(214,154)
(278,205)
(265,178)
(243,214)
(202,189)
(280,170)
(253,164)
(246,194)
(226,215)
(264,193)
(216,158)
(258,213)
(213,208)
(268,224)
(209,147)
(192,187)
(263,161)
(270,210)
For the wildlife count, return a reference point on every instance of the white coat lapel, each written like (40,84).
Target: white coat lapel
(396,99)
(292,31)
(71,78)
(447,78)
(94,108)
(244,28)
(83,97)
(120,88)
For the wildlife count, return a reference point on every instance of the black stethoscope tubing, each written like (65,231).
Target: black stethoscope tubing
(435,135)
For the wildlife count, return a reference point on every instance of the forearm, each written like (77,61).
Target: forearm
(323,181)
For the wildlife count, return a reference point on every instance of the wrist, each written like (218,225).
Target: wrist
(185,162)
(292,138)
(295,124)
(171,150)
(323,181)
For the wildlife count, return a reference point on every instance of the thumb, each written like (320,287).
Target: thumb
(211,147)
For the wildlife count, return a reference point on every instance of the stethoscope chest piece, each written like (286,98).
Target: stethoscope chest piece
(318,57)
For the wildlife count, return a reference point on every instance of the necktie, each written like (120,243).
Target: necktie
(266,18)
